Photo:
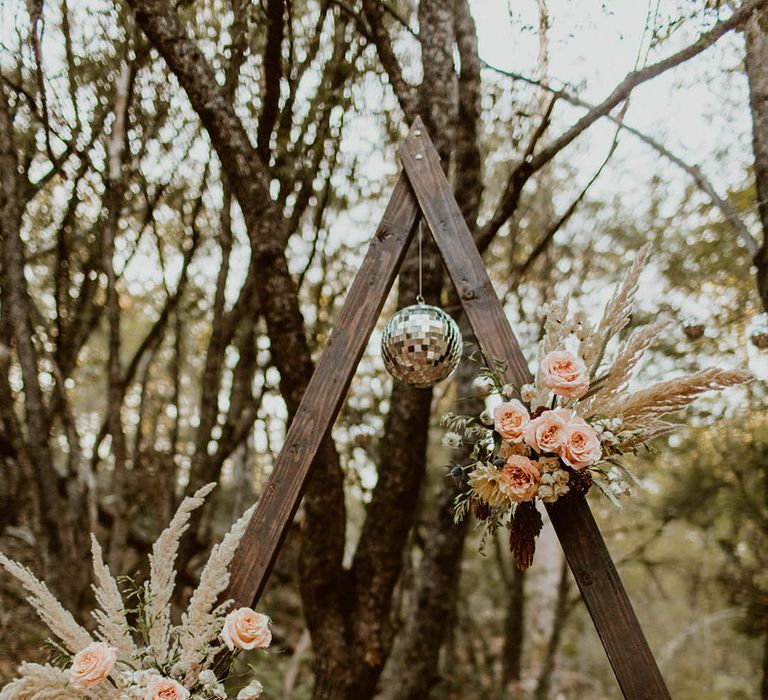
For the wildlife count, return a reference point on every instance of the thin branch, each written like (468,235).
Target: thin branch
(273,74)
(727,209)
(403,91)
(546,239)
(522,172)
(36,17)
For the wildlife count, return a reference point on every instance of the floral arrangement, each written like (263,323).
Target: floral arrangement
(571,427)
(136,653)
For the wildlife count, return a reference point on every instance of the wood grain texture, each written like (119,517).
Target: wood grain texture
(323,398)
(585,550)
(606,600)
(464,264)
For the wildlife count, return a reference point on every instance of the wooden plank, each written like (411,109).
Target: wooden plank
(612,613)
(585,550)
(323,398)
(454,241)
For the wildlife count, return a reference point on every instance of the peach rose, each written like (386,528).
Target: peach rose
(510,419)
(548,432)
(246,629)
(519,479)
(582,448)
(92,665)
(165,689)
(564,374)
(507,448)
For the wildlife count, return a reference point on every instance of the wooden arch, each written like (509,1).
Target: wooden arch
(422,190)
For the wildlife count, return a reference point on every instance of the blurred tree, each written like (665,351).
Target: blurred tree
(181,189)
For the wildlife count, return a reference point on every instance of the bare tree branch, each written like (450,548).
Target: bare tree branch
(522,171)
(373,11)
(727,209)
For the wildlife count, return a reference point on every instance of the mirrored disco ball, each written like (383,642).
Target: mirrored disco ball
(421,345)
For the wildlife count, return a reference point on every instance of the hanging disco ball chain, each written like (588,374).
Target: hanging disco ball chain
(421,344)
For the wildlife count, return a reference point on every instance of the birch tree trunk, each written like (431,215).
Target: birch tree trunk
(756,37)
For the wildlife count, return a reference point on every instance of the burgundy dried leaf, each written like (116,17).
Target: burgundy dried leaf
(481,509)
(525,527)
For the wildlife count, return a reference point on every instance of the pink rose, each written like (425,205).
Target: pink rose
(549,431)
(165,689)
(582,448)
(565,374)
(246,629)
(519,479)
(510,419)
(92,665)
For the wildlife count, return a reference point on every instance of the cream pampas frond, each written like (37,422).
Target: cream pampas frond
(616,314)
(113,626)
(556,331)
(617,376)
(38,682)
(200,622)
(642,408)
(59,621)
(162,573)
(652,430)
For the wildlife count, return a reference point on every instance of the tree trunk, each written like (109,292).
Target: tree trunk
(764,685)
(756,36)
(49,493)
(514,634)
(562,609)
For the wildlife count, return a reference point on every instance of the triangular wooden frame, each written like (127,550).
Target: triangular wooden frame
(423,190)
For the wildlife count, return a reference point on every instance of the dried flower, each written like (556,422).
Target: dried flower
(451,440)
(524,529)
(485,482)
(251,692)
(527,392)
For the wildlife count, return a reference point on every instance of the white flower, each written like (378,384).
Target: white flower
(527,392)
(508,391)
(211,683)
(615,423)
(252,691)
(452,440)
(482,386)
(208,677)
(486,417)
(547,479)
(545,492)
(618,487)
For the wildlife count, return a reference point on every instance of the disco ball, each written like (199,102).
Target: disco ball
(421,345)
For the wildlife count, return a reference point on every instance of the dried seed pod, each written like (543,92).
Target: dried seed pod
(760,339)
(693,331)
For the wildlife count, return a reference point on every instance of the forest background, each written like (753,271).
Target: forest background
(186,190)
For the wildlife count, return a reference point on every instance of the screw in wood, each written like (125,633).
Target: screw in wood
(418,156)
(417,132)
